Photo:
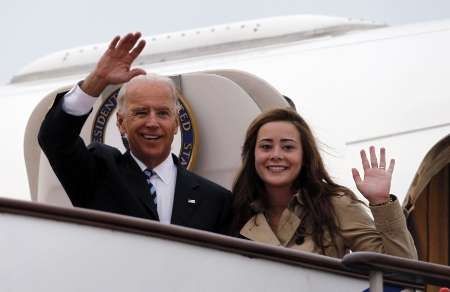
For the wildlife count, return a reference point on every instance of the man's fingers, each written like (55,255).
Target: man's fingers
(364,161)
(127,42)
(382,158)
(137,35)
(391,166)
(356,176)
(135,72)
(373,157)
(133,40)
(137,50)
(114,42)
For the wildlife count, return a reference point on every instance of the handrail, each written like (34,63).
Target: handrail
(172,232)
(399,268)
(399,271)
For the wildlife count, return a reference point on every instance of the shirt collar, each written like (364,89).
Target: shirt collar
(163,170)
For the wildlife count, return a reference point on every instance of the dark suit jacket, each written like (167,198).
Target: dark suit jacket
(100,177)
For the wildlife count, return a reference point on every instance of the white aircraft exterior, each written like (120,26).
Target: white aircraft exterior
(357,83)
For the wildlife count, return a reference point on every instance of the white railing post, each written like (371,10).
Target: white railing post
(376,281)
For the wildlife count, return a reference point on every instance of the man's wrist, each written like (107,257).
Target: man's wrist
(76,102)
(93,85)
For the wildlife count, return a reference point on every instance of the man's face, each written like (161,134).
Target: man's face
(149,121)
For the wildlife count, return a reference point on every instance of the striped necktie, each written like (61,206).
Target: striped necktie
(149,173)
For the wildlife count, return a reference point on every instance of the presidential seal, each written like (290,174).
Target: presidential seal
(104,129)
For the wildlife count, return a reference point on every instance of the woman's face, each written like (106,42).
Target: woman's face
(278,155)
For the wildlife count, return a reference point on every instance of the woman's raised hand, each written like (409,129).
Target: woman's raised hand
(377,178)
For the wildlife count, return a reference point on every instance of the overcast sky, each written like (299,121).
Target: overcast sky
(32,29)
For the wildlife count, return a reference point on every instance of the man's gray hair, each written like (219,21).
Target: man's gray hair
(121,96)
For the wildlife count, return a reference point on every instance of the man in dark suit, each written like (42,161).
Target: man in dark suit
(147,181)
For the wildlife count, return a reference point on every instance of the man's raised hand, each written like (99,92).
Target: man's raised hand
(114,66)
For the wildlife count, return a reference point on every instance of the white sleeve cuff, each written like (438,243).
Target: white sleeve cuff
(76,102)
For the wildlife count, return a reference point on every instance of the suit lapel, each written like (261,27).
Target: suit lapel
(137,184)
(186,197)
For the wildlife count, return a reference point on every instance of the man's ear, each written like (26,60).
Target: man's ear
(177,122)
(120,123)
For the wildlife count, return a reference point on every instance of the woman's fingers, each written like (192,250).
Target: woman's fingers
(356,176)
(364,160)
(391,166)
(382,158)
(373,157)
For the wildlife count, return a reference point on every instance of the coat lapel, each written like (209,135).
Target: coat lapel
(137,184)
(258,229)
(287,226)
(186,197)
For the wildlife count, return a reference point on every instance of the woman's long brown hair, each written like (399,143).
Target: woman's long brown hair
(313,182)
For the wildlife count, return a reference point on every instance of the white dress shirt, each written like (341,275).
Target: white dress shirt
(164,182)
(76,102)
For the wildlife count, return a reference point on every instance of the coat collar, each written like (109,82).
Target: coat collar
(258,229)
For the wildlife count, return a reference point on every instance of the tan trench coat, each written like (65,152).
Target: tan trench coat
(386,233)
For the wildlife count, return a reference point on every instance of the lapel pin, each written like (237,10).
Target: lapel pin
(191,201)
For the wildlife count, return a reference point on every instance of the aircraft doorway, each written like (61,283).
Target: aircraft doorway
(428,205)
(430,220)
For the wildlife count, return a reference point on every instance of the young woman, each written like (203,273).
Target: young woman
(284,196)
